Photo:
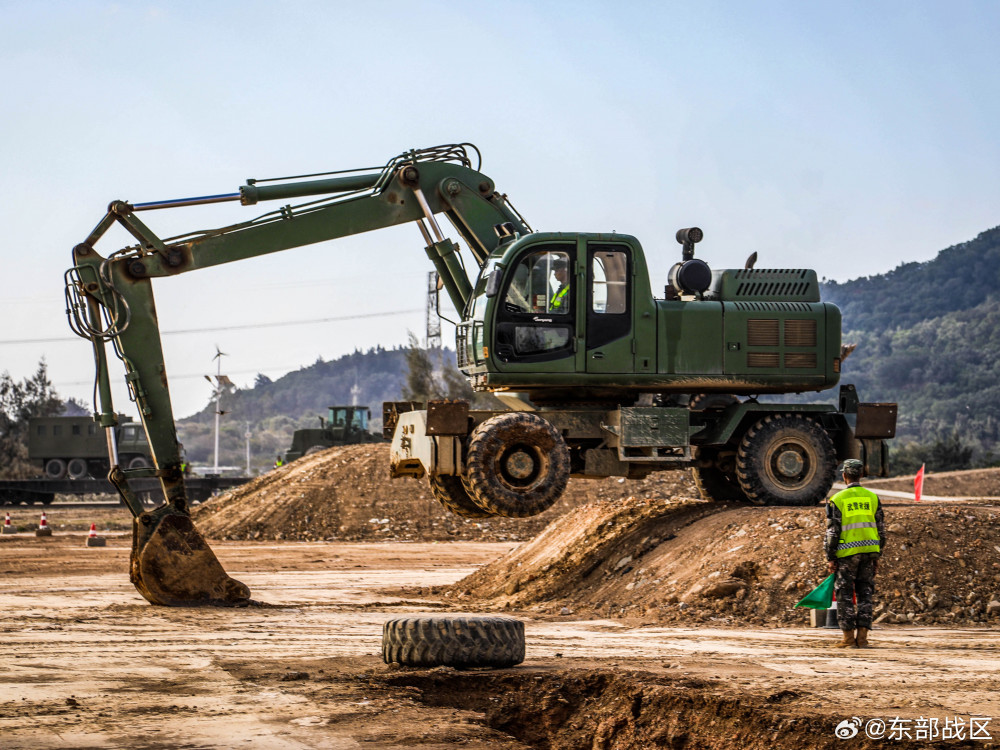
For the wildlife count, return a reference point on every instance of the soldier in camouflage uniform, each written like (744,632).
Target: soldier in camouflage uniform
(855,539)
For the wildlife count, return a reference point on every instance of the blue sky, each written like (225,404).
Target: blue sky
(845,137)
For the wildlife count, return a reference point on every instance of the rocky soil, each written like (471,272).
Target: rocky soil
(684,561)
(648,550)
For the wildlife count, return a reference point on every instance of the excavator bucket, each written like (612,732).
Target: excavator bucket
(173,565)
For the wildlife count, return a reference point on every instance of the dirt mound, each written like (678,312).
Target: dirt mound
(345,494)
(691,562)
(970,483)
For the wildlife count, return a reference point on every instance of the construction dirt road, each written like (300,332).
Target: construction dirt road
(86,663)
(635,639)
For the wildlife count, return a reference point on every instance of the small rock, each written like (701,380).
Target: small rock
(896,528)
(565,611)
(293,676)
(623,562)
(993,608)
(723,589)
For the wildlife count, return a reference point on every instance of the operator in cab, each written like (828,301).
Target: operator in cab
(560,300)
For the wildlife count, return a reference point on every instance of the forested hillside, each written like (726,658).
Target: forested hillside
(928,336)
(272,410)
(275,409)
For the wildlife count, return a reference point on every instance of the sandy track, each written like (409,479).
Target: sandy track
(88,664)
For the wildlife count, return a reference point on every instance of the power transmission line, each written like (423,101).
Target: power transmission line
(244,326)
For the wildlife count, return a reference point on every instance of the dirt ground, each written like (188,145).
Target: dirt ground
(88,664)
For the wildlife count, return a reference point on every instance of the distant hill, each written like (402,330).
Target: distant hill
(928,337)
(275,409)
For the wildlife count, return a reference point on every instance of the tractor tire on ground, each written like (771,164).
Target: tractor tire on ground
(451,493)
(138,462)
(55,468)
(460,642)
(517,465)
(786,459)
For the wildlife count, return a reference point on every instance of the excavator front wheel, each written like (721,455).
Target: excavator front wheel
(172,564)
(517,465)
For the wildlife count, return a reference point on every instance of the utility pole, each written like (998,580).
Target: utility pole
(247,436)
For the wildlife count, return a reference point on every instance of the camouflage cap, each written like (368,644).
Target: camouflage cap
(852,466)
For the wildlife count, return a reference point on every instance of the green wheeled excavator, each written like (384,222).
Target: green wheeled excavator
(600,378)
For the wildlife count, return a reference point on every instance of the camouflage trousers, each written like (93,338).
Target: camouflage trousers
(855,577)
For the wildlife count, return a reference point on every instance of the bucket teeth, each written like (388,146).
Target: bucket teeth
(173,565)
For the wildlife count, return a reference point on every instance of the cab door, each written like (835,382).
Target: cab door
(610,338)
(535,322)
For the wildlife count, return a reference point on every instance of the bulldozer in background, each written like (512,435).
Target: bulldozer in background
(599,376)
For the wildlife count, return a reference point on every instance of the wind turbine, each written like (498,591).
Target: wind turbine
(221,383)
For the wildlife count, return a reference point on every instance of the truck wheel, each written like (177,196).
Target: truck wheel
(453,641)
(76,468)
(55,468)
(786,459)
(451,493)
(517,465)
(138,462)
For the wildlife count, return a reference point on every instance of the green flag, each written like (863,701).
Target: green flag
(820,597)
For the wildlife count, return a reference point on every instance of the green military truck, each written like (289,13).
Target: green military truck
(343,425)
(76,447)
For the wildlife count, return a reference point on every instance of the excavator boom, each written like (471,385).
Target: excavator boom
(110,301)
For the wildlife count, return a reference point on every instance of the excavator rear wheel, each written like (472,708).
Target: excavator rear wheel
(451,493)
(786,459)
(517,465)
(719,481)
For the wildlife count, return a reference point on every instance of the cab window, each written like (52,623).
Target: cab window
(610,282)
(536,321)
(541,284)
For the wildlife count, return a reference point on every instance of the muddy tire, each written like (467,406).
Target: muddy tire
(138,462)
(451,493)
(786,459)
(714,484)
(77,468)
(460,642)
(55,468)
(517,465)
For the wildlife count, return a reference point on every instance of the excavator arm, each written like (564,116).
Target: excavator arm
(110,301)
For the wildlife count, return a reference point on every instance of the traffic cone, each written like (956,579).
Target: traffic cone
(7,526)
(831,615)
(93,540)
(43,527)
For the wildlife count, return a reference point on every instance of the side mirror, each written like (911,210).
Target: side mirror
(493,282)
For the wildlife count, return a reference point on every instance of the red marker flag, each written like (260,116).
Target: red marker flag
(918,484)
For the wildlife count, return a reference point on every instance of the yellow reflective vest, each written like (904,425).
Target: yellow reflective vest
(858,531)
(559,299)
